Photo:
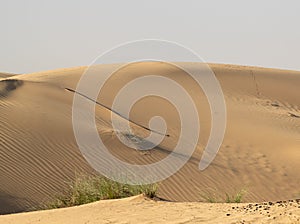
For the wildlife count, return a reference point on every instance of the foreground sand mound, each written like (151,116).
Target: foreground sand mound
(139,209)
(260,152)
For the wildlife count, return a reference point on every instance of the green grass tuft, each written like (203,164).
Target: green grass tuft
(85,189)
(215,197)
(236,198)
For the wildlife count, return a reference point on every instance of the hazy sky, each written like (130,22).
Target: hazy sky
(42,35)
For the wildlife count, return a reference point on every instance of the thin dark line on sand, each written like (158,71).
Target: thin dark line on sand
(256,85)
(294,115)
(116,112)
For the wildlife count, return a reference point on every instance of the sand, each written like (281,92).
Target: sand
(6,75)
(260,151)
(139,209)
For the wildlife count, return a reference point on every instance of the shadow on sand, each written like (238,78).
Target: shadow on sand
(9,85)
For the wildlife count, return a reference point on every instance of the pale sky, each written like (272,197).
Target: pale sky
(41,35)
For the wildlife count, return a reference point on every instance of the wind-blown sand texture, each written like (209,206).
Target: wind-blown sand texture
(260,151)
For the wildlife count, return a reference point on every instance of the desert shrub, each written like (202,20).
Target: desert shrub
(235,198)
(214,196)
(85,189)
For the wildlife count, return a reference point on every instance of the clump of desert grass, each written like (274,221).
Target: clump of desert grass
(214,196)
(236,197)
(90,188)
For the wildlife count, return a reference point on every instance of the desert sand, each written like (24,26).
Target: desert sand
(139,209)
(260,152)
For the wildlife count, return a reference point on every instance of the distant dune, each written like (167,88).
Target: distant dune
(260,152)
(6,75)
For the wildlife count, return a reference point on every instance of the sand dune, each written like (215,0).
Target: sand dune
(139,209)
(6,75)
(260,152)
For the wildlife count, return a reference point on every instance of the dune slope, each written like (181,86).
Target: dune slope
(260,152)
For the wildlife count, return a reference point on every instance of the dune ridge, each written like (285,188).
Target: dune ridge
(6,75)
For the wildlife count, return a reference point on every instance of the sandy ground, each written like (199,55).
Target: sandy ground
(260,152)
(142,210)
